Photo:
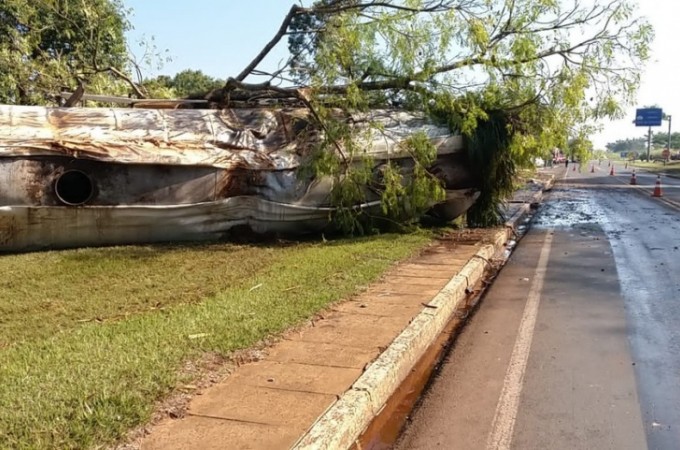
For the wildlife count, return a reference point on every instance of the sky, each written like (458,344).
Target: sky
(220,37)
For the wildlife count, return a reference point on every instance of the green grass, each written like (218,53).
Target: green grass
(44,293)
(671,168)
(94,338)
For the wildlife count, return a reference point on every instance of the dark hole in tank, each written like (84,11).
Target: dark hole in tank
(74,187)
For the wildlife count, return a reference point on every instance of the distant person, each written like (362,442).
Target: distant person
(566,162)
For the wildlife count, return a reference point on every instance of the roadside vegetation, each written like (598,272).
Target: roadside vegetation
(91,339)
(671,168)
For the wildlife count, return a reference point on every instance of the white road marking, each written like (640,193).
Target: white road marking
(504,419)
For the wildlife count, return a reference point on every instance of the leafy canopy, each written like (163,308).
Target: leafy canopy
(186,83)
(50,45)
(660,139)
(627,145)
(517,78)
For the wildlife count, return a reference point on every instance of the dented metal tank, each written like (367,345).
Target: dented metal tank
(73,177)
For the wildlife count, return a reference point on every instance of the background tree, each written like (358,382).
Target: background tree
(580,149)
(47,46)
(160,87)
(660,139)
(192,82)
(627,145)
(186,83)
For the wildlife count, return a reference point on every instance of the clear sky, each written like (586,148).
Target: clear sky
(220,37)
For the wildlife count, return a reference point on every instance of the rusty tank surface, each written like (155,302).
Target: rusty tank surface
(74,177)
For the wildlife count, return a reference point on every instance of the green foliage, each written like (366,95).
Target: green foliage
(490,148)
(48,45)
(187,83)
(627,145)
(159,87)
(530,73)
(365,195)
(660,139)
(422,189)
(580,148)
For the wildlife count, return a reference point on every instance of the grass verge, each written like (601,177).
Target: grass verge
(42,294)
(72,382)
(672,168)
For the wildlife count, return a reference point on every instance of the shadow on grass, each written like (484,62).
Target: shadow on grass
(236,239)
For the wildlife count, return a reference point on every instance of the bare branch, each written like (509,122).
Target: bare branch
(125,78)
(294,10)
(438,6)
(76,96)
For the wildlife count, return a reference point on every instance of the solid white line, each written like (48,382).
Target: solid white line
(503,425)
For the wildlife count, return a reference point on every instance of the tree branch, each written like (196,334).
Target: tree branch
(438,6)
(333,8)
(294,10)
(125,78)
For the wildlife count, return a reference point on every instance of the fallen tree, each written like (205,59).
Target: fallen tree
(515,78)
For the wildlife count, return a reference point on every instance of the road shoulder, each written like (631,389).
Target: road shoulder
(578,389)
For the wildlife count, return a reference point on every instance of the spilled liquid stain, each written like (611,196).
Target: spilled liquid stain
(567,208)
(644,237)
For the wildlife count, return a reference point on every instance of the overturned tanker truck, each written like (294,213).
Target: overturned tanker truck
(75,177)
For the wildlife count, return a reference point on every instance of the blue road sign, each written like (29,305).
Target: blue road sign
(648,117)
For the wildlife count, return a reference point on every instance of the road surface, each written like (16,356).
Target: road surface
(577,343)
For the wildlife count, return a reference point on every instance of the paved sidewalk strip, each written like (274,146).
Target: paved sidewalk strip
(271,403)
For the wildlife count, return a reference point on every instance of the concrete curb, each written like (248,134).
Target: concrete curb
(344,422)
(524,209)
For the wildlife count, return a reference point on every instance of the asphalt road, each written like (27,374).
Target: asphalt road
(577,343)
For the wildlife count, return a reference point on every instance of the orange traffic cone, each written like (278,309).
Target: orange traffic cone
(633,179)
(611,172)
(592,168)
(657,188)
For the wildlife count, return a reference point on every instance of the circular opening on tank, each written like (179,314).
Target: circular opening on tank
(74,187)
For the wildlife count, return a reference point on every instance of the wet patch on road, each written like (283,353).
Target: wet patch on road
(644,237)
(567,208)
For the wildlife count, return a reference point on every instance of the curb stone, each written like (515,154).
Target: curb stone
(344,422)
